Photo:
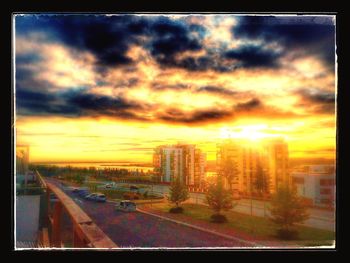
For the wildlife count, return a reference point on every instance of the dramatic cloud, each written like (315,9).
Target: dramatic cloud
(172,69)
(300,34)
(254,57)
(316,100)
(107,37)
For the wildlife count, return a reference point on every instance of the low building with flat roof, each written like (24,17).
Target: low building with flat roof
(316,183)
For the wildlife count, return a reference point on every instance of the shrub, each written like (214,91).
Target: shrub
(178,192)
(219,198)
(176,210)
(218,218)
(287,234)
(287,209)
(131,196)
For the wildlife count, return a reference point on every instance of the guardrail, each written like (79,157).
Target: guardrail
(40,179)
(86,234)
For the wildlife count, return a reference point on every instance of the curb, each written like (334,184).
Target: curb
(201,229)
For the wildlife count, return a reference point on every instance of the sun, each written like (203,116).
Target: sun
(249,132)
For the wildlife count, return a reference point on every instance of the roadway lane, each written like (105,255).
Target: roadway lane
(141,230)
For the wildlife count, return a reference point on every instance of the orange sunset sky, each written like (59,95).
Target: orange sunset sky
(111,88)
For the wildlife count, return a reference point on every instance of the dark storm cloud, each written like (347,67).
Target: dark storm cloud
(253,107)
(171,37)
(75,103)
(107,37)
(254,57)
(36,103)
(316,101)
(310,34)
(110,37)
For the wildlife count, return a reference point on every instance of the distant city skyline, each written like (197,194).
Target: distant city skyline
(96,88)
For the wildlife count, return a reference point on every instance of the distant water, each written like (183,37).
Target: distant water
(128,166)
(119,165)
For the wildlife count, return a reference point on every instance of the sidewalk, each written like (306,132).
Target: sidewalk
(245,240)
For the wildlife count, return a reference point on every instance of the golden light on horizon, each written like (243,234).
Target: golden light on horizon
(251,132)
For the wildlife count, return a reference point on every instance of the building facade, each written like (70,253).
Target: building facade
(315,183)
(257,167)
(183,161)
(22,159)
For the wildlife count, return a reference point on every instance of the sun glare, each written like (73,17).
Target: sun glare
(251,132)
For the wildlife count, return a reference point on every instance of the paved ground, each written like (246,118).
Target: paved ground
(142,230)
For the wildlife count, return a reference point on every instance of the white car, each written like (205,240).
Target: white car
(126,206)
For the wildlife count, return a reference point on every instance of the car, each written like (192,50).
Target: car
(75,190)
(90,196)
(125,206)
(84,193)
(100,198)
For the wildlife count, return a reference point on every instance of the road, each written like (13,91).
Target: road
(319,218)
(141,230)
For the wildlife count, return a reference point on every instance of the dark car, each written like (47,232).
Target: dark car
(84,193)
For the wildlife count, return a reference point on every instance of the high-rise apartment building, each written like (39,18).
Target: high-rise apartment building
(182,161)
(276,151)
(256,167)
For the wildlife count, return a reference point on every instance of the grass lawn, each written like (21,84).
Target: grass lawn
(261,228)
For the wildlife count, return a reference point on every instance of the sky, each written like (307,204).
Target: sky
(113,87)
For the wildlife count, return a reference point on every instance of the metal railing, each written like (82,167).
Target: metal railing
(86,234)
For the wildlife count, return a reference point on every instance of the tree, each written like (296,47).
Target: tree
(178,192)
(229,170)
(79,179)
(219,199)
(287,209)
(261,180)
